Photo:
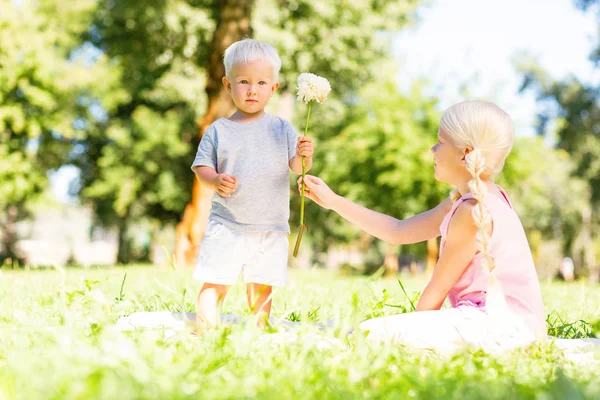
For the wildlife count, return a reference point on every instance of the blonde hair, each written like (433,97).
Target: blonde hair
(488,130)
(249,50)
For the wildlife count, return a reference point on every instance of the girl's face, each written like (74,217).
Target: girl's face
(449,159)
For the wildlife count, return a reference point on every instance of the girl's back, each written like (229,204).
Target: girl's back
(515,268)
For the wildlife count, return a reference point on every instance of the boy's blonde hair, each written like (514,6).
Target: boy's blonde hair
(488,130)
(249,50)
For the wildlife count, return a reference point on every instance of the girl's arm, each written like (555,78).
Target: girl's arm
(416,229)
(459,250)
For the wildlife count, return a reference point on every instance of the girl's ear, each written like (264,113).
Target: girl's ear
(466,151)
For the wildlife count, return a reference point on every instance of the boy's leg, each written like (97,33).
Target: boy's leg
(259,301)
(267,267)
(218,266)
(208,306)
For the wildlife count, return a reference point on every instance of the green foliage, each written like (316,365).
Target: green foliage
(383,158)
(545,193)
(570,116)
(345,41)
(136,158)
(148,178)
(38,83)
(558,327)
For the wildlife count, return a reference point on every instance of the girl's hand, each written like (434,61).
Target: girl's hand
(318,191)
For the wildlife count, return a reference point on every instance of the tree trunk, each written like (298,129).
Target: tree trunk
(588,256)
(432,255)
(391,260)
(233,23)
(10,237)
(582,248)
(124,249)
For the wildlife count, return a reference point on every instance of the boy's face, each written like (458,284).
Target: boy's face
(251,85)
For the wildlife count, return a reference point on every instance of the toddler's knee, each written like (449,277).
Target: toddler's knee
(221,290)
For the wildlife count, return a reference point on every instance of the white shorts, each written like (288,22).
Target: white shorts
(261,256)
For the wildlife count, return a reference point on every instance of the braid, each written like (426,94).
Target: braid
(476,165)
(483,220)
(455,195)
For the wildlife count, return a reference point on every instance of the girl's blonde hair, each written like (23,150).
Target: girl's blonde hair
(488,130)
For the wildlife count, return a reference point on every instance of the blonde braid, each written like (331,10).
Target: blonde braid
(495,300)
(455,195)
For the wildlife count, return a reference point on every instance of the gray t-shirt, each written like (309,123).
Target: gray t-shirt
(257,153)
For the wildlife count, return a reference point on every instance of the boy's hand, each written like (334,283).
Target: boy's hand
(305,147)
(225,185)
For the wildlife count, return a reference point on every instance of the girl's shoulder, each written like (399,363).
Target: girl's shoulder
(460,215)
(465,202)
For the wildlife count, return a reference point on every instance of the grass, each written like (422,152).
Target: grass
(57,341)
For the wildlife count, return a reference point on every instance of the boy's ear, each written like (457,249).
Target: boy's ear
(274,87)
(226,83)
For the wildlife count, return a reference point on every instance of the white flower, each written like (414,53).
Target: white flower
(312,87)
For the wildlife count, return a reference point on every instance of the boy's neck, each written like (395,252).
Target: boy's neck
(241,117)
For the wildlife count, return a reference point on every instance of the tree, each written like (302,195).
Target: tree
(546,195)
(37,84)
(570,114)
(141,116)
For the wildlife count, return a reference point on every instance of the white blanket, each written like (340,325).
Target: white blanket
(172,322)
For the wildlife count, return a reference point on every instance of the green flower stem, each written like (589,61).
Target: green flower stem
(302,221)
(302,217)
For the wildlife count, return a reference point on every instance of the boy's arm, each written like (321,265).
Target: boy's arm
(223,184)
(205,162)
(296,164)
(206,175)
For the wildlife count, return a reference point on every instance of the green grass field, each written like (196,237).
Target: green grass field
(58,341)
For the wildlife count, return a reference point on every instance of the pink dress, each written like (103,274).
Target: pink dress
(515,269)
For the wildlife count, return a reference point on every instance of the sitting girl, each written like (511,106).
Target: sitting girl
(485,268)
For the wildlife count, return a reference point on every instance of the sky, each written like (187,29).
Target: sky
(473,42)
